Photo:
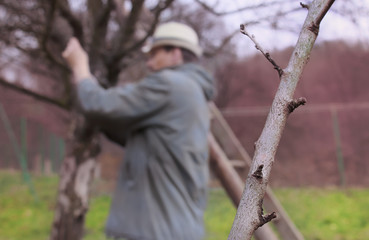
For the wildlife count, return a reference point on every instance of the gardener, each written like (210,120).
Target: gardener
(163,121)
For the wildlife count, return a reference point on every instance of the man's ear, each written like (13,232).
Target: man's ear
(177,56)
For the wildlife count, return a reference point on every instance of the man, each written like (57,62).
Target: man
(163,121)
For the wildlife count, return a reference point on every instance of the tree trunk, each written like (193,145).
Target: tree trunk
(76,174)
(249,215)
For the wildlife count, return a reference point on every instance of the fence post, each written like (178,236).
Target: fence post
(41,149)
(339,154)
(52,152)
(61,151)
(23,154)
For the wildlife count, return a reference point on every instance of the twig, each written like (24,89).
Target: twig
(258,47)
(267,218)
(295,104)
(303,5)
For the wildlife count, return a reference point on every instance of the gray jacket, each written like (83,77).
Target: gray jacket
(163,121)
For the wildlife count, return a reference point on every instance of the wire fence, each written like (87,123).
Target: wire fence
(322,144)
(29,146)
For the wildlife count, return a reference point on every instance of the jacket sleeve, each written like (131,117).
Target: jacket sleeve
(128,104)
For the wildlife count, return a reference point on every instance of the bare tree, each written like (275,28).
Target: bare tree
(34,32)
(250,214)
(33,35)
(111,31)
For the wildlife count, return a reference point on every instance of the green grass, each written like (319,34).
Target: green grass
(219,215)
(320,214)
(21,217)
(331,214)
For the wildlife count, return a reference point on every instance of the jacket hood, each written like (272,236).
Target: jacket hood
(202,77)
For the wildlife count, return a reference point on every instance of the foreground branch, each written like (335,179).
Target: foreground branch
(249,214)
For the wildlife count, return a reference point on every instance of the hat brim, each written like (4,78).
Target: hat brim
(173,42)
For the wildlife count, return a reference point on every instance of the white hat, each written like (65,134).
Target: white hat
(175,34)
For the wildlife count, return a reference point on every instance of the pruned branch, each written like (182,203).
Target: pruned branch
(266,54)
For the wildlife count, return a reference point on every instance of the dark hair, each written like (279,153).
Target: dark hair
(187,55)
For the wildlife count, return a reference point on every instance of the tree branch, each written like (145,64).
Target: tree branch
(56,102)
(136,44)
(99,15)
(45,36)
(132,20)
(120,10)
(75,24)
(16,7)
(114,61)
(266,54)
(126,31)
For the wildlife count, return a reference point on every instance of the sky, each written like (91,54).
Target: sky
(333,26)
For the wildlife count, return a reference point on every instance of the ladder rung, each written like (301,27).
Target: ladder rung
(238,163)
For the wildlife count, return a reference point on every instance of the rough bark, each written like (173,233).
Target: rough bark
(76,174)
(249,215)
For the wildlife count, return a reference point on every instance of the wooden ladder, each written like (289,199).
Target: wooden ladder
(229,161)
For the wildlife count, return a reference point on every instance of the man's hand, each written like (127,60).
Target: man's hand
(77,60)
